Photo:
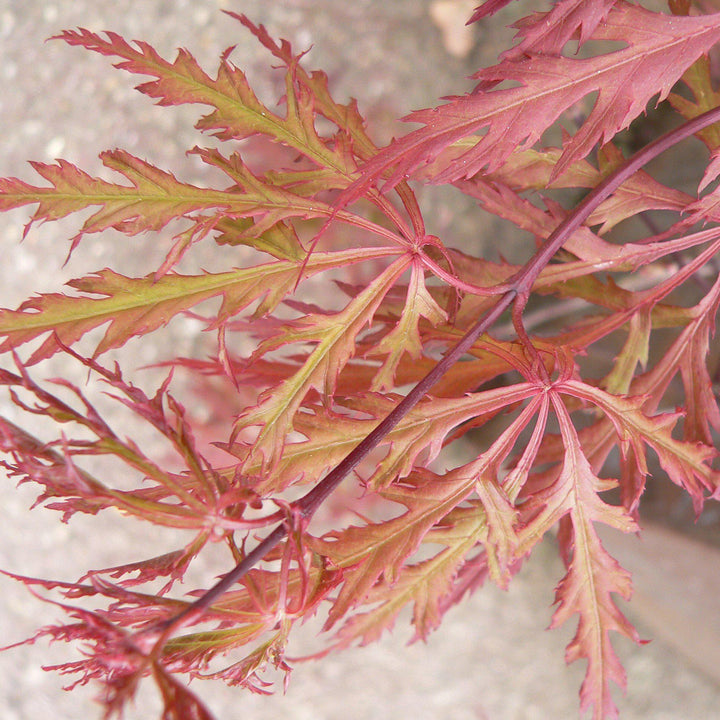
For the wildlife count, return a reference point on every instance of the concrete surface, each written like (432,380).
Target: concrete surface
(492,659)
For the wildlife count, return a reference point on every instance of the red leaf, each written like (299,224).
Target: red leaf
(546,33)
(686,463)
(180,703)
(660,49)
(592,574)
(489,7)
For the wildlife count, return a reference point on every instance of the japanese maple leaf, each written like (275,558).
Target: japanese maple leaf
(547,32)
(333,336)
(136,306)
(593,575)
(660,48)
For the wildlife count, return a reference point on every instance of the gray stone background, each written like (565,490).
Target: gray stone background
(492,658)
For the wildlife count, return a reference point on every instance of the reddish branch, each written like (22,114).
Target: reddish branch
(513,292)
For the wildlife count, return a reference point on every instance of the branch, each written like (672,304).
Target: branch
(515,292)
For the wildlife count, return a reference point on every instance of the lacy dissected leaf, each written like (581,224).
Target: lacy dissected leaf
(33,460)
(426,585)
(261,591)
(247,672)
(105,646)
(547,33)
(624,304)
(586,589)
(688,354)
(405,337)
(376,573)
(334,338)
(153,199)
(379,550)
(268,201)
(69,488)
(425,428)
(194,498)
(172,565)
(592,574)
(345,116)
(238,113)
(254,610)
(499,199)
(352,136)
(660,49)
(356,377)
(194,650)
(576,487)
(331,436)
(578,278)
(634,420)
(136,306)
(532,169)
(686,463)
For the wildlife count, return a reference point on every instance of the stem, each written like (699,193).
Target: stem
(516,290)
(526,277)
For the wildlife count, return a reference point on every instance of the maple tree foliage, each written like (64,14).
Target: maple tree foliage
(325,393)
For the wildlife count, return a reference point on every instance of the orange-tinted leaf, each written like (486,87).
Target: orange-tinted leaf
(333,337)
(405,337)
(379,550)
(153,198)
(426,585)
(686,463)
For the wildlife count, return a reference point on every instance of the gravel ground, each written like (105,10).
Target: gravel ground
(492,658)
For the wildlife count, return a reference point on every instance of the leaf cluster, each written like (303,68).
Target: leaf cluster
(378,349)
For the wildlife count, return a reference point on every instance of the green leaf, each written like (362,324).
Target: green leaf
(405,336)
(237,111)
(137,306)
(333,337)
